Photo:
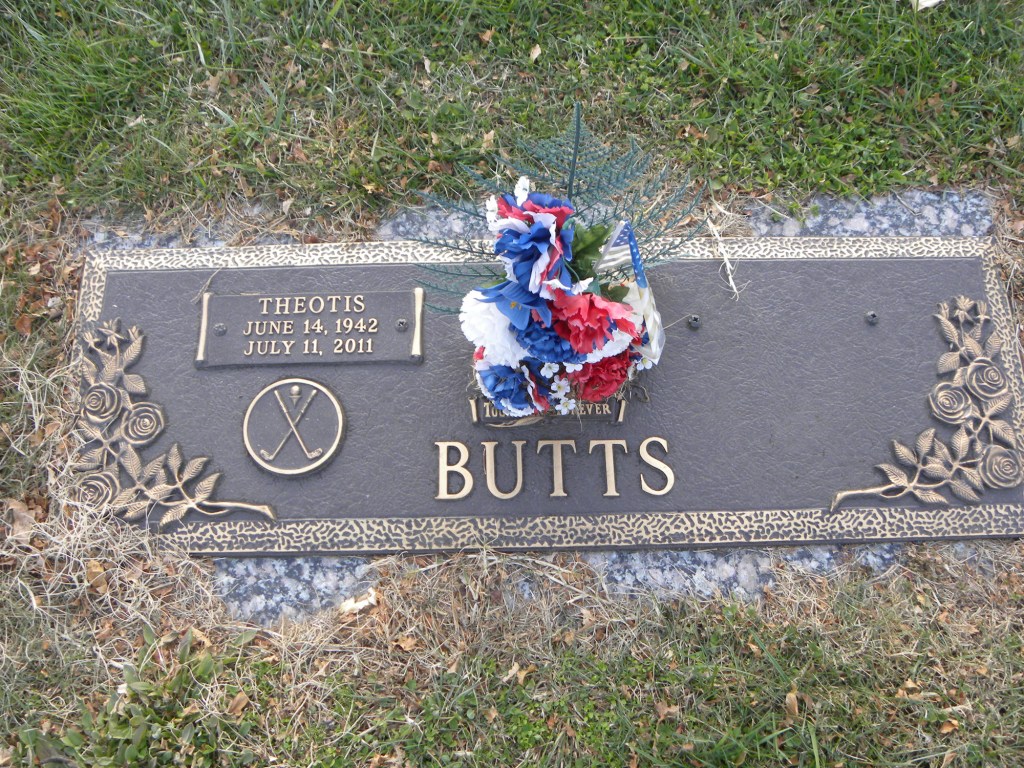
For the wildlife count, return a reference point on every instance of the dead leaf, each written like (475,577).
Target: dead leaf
(96,575)
(534,53)
(910,687)
(512,672)
(491,715)
(358,603)
(949,726)
(6,756)
(948,759)
(238,704)
(23,325)
(485,37)
(664,710)
(521,674)
(426,64)
(287,206)
(792,703)
(21,521)
(488,141)
(407,643)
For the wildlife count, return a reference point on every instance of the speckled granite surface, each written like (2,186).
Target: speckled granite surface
(267,590)
(906,214)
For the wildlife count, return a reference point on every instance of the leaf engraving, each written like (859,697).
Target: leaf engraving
(961,442)
(963,490)
(924,443)
(928,496)
(948,362)
(904,454)
(134,383)
(896,475)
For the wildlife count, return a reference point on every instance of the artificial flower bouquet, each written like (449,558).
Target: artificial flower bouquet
(554,333)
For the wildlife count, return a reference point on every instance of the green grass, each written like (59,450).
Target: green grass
(116,105)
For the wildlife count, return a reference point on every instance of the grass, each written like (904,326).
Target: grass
(919,666)
(345,107)
(319,116)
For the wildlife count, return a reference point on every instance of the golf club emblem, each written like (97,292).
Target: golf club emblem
(293,427)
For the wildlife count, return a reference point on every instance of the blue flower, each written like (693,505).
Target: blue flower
(515,391)
(543,343)
(517,303)
(522,250)
(534,239)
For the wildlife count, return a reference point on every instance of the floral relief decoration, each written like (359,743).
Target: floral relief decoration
(117,422)
(982,452)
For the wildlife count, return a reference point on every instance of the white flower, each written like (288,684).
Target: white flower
(566,406)
(491,206)
(618,343)
(548,370)
(573,367)
(560,388)
(522,190)
(581,286)
(485,326)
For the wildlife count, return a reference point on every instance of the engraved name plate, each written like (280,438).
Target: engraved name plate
(310,329)
(858,390)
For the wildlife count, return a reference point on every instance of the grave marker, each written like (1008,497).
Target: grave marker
(306,399)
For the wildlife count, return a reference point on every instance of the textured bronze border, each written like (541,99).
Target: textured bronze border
(620,530)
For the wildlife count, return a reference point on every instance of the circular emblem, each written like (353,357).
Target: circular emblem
(293,427)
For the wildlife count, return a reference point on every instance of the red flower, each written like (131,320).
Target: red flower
(560,212)
(588,321)
(507,210)
(535,203)
(602,379)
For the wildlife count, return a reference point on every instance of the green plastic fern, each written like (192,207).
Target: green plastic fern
(605,186)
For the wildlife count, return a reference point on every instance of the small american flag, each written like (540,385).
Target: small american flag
(623,242)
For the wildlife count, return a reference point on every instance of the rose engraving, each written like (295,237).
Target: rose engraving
(984,379)
(1000,467)
(142,423)
(98,489)
(113,427)
(950,403)
(101,402)
(982,453)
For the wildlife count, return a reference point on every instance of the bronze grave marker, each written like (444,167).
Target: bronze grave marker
(308,399)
